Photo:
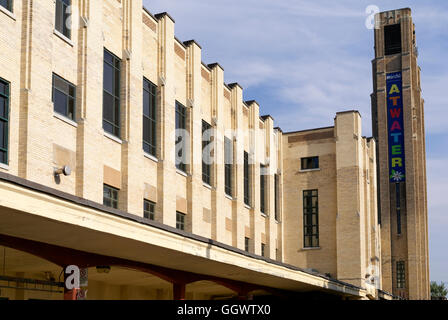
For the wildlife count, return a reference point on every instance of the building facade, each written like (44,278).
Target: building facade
(127,157)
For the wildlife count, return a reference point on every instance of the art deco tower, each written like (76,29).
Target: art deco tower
(398,126)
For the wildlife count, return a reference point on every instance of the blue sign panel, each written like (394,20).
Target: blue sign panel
(395,127)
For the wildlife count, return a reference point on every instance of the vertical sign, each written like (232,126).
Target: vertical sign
(395,127)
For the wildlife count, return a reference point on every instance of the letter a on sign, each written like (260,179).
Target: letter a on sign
(394,89)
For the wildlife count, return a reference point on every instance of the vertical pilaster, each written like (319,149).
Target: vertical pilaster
(166,169)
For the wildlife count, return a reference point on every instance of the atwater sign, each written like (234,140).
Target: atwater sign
(395,127)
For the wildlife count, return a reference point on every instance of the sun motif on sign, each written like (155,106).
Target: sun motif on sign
(397,176)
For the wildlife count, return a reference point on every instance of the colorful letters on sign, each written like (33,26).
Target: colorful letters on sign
(395,127)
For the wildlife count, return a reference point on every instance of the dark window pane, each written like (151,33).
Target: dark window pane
(62,19)
(3,134)
(3,108)
(310,218)
(117,112)
(71,108)
(108,57)
(310,163)
(108,127)
(110,196)
(117,82)
(108,107)
(6,4)
(60,102)
(146,104)
(111,96)
(63,97)
(392,39)
(108,78)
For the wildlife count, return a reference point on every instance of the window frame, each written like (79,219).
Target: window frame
(206,167)
(9,5)
(308,213)
(113,201)
(149,209)
(401,274)
(263,197)
(392,47)
(181,123)
(66,31)
(150,147)
(68,96)
(276,196)
(180,220)
(246,178)
(246,244)
(228,167)
(309,163)
(7,97)
(116,124)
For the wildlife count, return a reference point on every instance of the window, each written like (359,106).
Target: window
(263,248)
(398,206)
(246,179)
(262,188)
(181,139)
(149,117)
(310,163)
(206,160)
(111,94)
(276,195)
(401,276)
(110,196)
(4,121)
(148,209)
(246,244)
(7,4)
(180,221)
(63,10)
(392,39)
(310,219)
(64,97)
(228,158)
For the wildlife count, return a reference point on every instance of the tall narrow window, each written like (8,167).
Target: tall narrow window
(64,97)
(111,94)
(262,188)
(263,249)
(63,23)
(110,196)
(392,39)
(7,4)
(401,275)
(246,244)
(310,219)
(149,117)
(276,195)
(181,137)
(310,163)
(206,160)
(148,209)
(398,206)
(228,155)
(246,179)
(180,221)
(4,121)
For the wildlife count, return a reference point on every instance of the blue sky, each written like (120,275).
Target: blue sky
(303,61)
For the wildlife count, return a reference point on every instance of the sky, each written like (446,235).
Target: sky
(303,61)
